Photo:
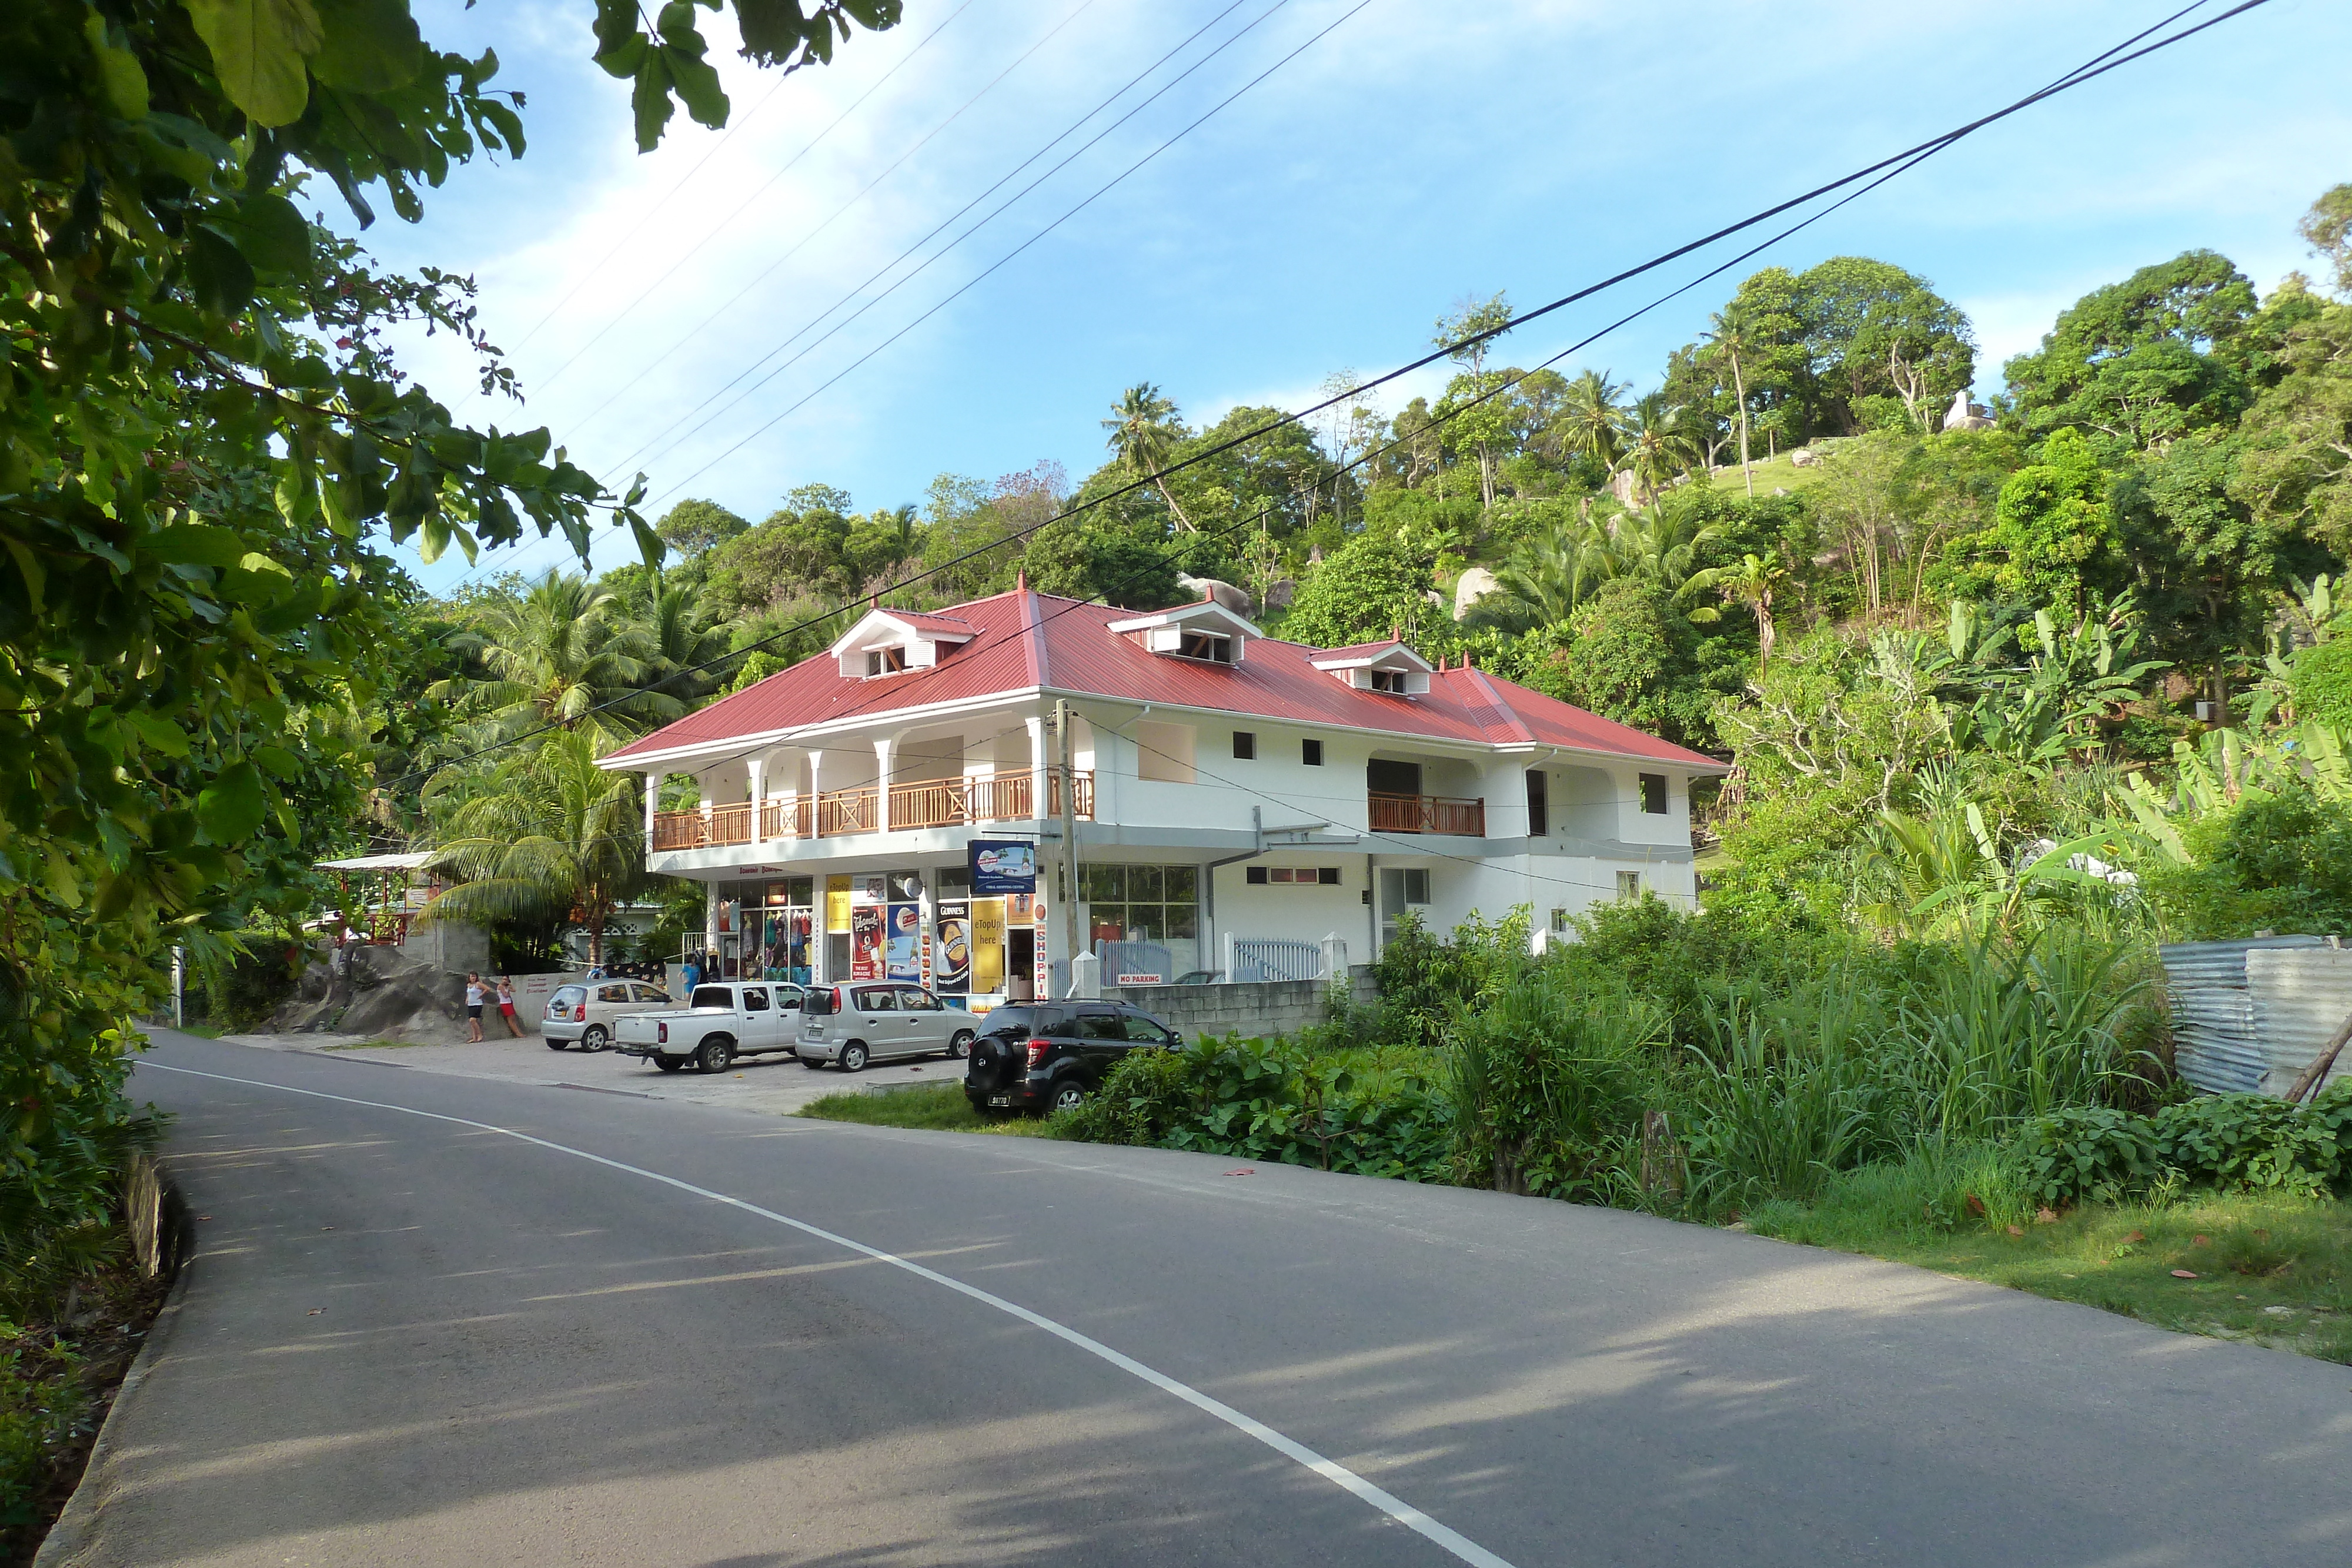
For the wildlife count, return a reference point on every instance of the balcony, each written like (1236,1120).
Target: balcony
(935,803)
(1428,814)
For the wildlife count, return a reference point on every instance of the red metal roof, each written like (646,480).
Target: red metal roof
(1025,641)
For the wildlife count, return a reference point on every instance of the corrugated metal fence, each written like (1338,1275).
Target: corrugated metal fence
(2251,1015)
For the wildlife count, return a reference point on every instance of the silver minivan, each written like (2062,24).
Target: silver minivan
(875,1020)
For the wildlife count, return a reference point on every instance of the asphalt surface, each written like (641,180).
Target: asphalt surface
(409,1341)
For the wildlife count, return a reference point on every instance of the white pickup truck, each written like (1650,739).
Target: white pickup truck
(719,1023)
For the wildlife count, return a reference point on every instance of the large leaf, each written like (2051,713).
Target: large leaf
(269,233)
(233,808)
(372,46)
(260,50)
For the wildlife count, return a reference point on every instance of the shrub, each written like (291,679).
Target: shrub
(2251,1140)
(2092,1153)
(2280,861)
(1422,979)
(1548,1079)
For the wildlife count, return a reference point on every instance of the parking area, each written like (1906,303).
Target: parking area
(777,1085)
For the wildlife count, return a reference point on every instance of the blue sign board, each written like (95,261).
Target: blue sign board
(1000,866)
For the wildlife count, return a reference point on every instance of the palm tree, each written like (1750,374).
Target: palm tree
(564,654)
(552,837)
(1143,433)
(1550,575)
(1593,417)
(1752,583)
(677,636)
(1659,448)
(1727,343)
(1663,549)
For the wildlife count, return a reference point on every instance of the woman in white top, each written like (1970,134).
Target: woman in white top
(473,995)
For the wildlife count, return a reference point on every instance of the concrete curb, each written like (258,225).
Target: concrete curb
(78,1523)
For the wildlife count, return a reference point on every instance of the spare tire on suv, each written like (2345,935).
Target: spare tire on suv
(1035,1056)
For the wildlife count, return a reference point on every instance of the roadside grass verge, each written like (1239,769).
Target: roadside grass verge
(2269,1270)
(932,1108)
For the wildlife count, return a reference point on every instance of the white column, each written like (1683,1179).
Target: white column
(653,807)
(1039,800)
(710,914)
(759,770)
(882,748)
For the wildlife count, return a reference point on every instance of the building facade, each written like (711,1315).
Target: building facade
(911,802)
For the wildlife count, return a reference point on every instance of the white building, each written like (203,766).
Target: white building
(1223,789)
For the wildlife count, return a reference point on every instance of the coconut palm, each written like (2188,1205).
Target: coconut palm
(1661,547)
(1726,341)
(677,636)
(1547,575)
(1659,448)
(550,839)
(1593,417)
(1143,433)
(1751,583)
(565,654)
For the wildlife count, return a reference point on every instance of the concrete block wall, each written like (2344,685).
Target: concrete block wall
(1264,1007)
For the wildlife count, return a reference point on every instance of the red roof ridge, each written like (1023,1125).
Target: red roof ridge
(1494,700)
(1033,636)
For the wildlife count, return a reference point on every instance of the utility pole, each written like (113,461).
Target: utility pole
(1069,840)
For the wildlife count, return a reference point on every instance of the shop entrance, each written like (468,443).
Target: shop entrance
(1020,963)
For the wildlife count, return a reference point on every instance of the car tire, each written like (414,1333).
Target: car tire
(853,1057)
(1068,1095)
(553,1043)
(595,1037)
(717,1055)
(669,1063)
(959,1048)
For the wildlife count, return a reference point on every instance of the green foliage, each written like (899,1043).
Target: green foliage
(2239,1142)
(1637,659)
(1424,980)
(1548,1075)
(2145,359)
(693,525)
(2053,537)
(1373,588)
(2091,1153)
(2280,859)
(1370,1113)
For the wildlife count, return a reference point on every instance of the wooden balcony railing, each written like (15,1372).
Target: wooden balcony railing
(940,803)
(1428,814)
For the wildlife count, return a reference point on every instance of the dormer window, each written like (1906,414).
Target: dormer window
(1389,668)
(1207,631)
(1217,650)
(892,641)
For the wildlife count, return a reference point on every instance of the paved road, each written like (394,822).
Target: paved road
(416,1341)
(778,1085)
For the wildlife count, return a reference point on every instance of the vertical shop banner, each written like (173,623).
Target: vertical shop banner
(1004,866)
(987,945)
(1044,969)
(836,903)
(901,941)
(951,961)
(866,942)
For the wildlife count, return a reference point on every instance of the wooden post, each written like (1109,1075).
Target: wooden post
(2316,1073)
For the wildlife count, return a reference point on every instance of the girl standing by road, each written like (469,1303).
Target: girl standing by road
(507,1008)
(474,994)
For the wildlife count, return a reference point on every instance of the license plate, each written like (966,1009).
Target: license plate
(1000,1099)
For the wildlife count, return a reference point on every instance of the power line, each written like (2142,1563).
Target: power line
(790,165)
(1891,166)
(647,450)
(867,189)
(1010,174)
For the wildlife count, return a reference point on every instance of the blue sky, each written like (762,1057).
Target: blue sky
(1414,155)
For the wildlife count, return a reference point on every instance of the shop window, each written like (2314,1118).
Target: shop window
(1653,794)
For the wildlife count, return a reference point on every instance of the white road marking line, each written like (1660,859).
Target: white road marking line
(1338,1474)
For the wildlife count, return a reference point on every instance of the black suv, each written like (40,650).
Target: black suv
(1047,1056)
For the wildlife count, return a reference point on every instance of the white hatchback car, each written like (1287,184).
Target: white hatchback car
(583,1015)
